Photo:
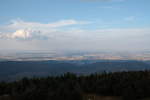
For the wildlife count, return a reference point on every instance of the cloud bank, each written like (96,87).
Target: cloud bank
(20,29)
(22,35)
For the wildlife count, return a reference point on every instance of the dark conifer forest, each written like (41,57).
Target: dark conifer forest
(133,85)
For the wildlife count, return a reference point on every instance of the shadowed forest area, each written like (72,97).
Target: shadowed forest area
(133,85)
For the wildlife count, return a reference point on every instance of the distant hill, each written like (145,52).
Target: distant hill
(11,70)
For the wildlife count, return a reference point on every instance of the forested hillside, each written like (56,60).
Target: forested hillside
(12,70)
(133,85)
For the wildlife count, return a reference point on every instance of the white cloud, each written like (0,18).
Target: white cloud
(21,34)
(62,23)
(24,34)
(19,29)
(50,37)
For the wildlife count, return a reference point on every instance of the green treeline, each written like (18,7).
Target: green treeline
(128,85)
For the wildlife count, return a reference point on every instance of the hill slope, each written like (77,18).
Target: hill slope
(10,70)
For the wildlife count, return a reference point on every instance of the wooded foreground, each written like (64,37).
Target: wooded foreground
(132,85)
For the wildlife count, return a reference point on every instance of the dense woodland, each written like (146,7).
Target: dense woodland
(131,85)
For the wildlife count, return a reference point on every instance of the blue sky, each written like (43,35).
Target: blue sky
(99,12)
(57,22)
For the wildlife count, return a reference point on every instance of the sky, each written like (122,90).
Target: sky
(82,25)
